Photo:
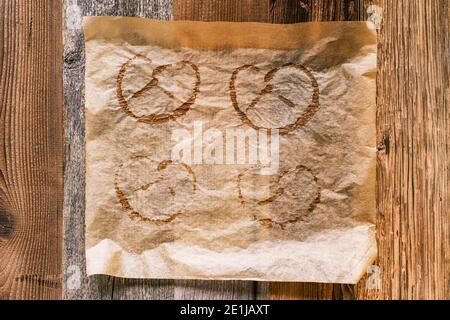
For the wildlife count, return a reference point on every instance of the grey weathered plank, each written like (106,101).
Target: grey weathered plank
(98,287)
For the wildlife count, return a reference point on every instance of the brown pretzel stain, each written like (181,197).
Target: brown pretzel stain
(155,118)
(269,223)
(164,164)
(302,120)
(135,215)
(278,193)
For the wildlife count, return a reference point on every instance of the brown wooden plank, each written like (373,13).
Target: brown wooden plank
(31,156)
(413,164)
(276,11)
(413,170)
(76,284)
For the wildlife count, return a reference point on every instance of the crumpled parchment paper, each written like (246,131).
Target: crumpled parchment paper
(150,85)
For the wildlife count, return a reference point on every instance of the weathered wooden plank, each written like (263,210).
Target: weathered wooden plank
(276,11)
(413,171)
(31,156)
(291,12)
(132,289)
(413,130)
(76,284)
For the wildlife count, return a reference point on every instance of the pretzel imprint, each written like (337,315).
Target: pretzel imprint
(269,89)
(154,192)
(154,83)
(279,200)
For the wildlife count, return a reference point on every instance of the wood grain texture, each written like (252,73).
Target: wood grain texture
(31,156)
(215,290)
(76,284)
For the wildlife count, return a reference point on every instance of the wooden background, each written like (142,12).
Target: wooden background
(42,154)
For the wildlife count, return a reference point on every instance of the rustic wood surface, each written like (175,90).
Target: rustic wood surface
(413,161)
(31,154)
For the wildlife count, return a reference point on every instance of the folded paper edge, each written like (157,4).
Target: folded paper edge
(216,35)
(107,253)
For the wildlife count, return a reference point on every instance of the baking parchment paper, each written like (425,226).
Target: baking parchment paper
(154,89)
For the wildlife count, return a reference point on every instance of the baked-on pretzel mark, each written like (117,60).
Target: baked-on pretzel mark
(303,119)
(125,202)
(156,118)
(269,223)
